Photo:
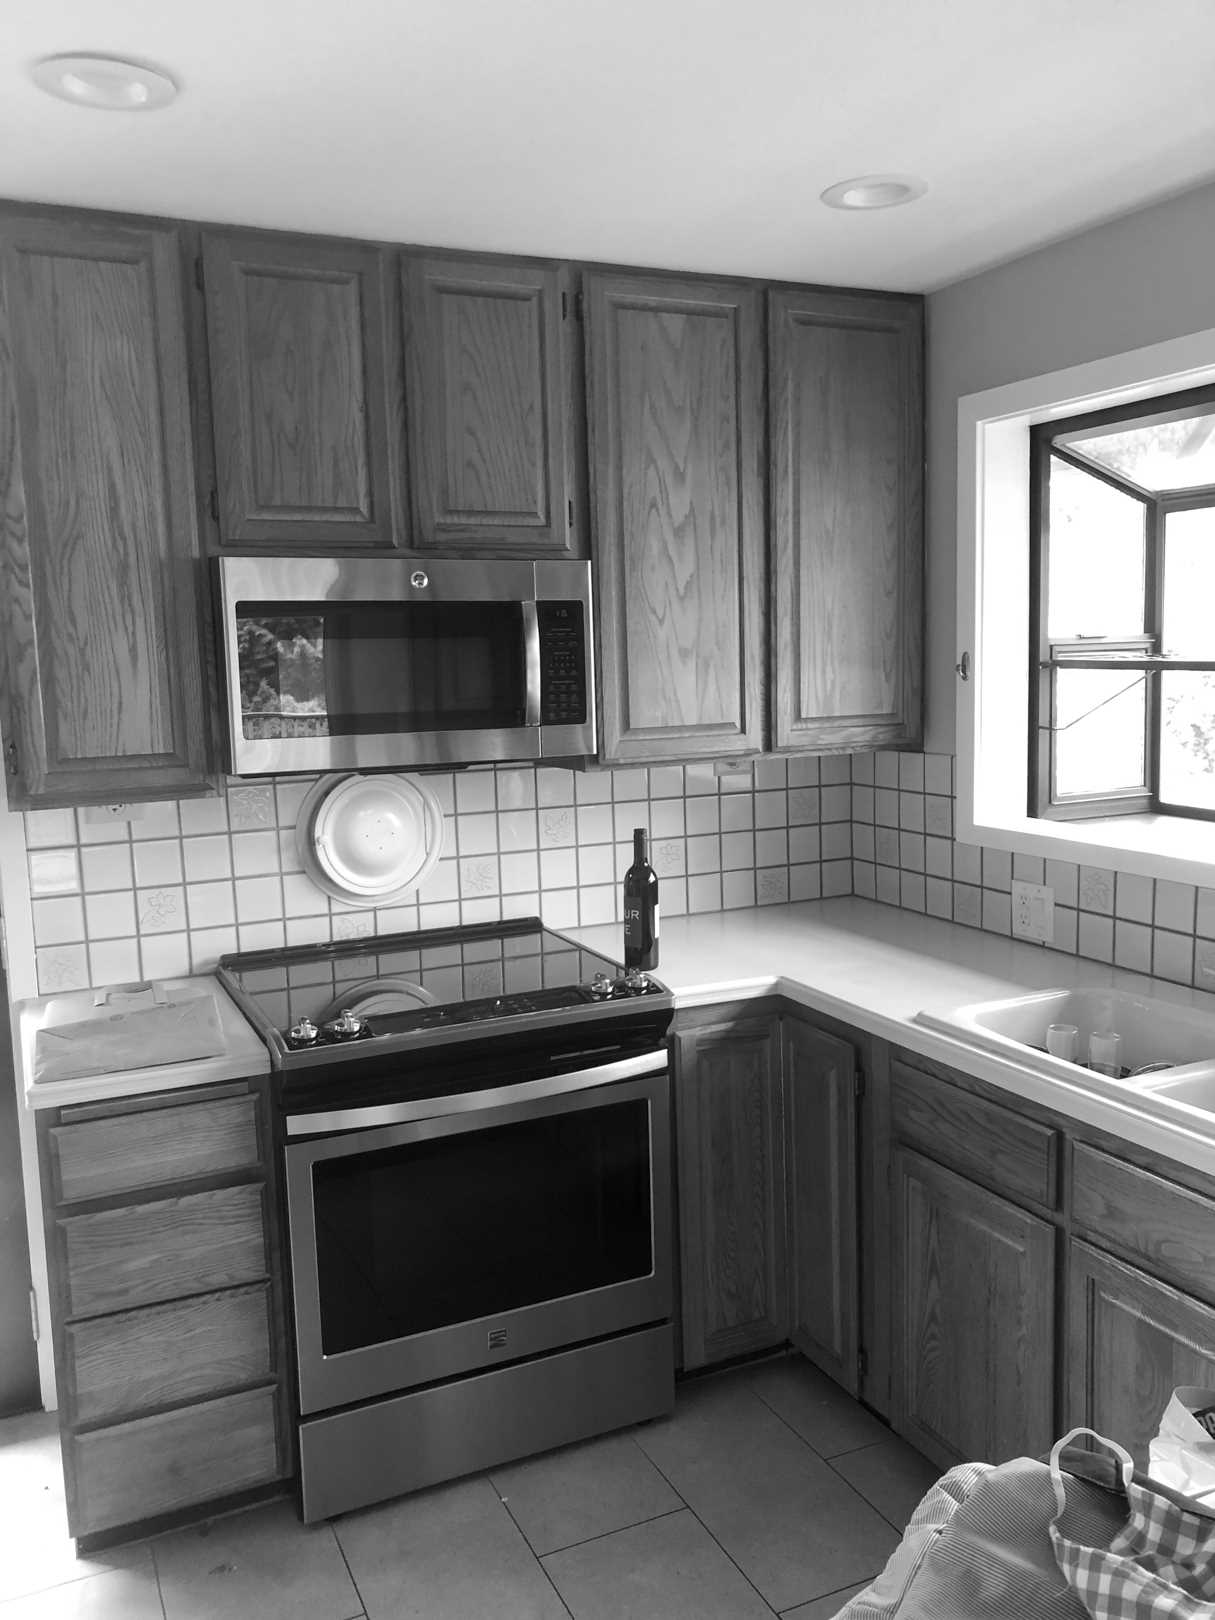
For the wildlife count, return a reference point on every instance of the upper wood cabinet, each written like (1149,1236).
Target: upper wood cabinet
(303,341)
(103,673)
(846,424)
(675,397)
(490,407)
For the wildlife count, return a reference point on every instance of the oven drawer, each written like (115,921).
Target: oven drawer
(125,1152)
(138,1255)
(165,1355)
(157,1464)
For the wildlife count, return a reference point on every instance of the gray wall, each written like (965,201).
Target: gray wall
(1138,280)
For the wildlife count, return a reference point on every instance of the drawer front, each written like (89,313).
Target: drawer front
(165,1355)
(1146,1218)
(155,1465)
(117,1259)
(125,1152)
(1017,1156)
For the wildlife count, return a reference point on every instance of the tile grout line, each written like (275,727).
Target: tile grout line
(586,1541)
(342,1554)
(536,1558)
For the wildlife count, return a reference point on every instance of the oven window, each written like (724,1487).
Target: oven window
(479,1223)
(354,668)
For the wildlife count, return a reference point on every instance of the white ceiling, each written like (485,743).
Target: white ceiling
(688,133)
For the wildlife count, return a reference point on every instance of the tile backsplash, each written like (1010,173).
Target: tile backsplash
(165,889)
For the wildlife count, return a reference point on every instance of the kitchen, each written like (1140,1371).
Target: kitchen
(97,899)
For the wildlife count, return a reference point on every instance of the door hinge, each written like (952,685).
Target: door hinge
(213,503)
(858,1083)
(571,512)
(198,274)
(34,1316)
(568,305)
(862,1365)
(11,760)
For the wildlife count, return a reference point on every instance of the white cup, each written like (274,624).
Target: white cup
(1104,1056)
(1063,1041)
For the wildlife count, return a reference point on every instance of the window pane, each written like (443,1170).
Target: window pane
(1187,738)
(1099,731)
(1189,583)
(1096,557)
(1162,455)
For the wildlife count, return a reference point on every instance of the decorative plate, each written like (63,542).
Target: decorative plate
(369,840)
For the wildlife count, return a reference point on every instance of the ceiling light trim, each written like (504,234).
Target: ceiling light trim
(104,83)
(866,192)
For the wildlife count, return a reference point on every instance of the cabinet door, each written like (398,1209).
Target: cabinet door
(488,406)
(820,1109)
(974,1287)
(676,434)
(846,418)
(98,539)
(731,1190)
(1131,1340)
(305,391)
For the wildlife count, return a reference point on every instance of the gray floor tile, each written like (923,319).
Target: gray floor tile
(452,1553)
(827,1418)
(264,1563)
(824,1608)
(583,1491)
(669,1569)
(775,1506)
(891,1475)
(123,1594)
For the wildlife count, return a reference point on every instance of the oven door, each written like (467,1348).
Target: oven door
(424,1250)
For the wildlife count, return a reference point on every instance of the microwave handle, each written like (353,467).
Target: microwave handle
(531,656)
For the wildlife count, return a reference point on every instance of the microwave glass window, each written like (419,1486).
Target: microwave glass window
(366,668)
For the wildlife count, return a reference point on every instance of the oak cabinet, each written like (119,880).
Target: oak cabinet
(490,406)
(305,385)
(846,423)
(675,407)
(821,1074)
(105,692)
(729,1131)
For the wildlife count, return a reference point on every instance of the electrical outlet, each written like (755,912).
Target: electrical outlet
(1033,911)
(732,767)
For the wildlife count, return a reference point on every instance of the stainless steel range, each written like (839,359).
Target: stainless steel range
(476,1138)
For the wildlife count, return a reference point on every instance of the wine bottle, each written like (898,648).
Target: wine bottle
(640,908)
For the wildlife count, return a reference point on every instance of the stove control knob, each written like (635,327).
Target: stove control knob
(636,982)
(346,1025)
(601,986)
(302,1034)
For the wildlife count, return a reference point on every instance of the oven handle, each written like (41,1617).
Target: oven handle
(531,654)
(467,1102)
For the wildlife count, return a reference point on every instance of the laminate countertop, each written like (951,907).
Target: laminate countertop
(875,967)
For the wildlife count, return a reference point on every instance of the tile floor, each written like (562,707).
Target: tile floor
(768,1492)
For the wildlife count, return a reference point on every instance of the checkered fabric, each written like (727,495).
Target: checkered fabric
(1160,1565)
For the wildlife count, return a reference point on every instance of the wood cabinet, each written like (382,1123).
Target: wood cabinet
(845,394)
(166,1302)
(729,1131)
(104,689)
(305,384)
(491,398)
(821,1077)
(675,405)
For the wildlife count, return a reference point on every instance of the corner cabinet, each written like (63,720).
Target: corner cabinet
(306,393)
(491,389)
(675,397)
(105,692)
(845,390)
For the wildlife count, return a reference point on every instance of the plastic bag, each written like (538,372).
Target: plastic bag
(1182,1455)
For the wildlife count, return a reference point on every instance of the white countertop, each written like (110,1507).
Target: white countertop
(875,967)
(244,1054)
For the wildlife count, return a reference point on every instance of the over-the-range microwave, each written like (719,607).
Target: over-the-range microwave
(340,663)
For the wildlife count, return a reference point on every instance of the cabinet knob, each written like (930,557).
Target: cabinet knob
(419,580)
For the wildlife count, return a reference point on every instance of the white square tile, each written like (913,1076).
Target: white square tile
(1175,904)
(630,785)
(737,851)
(864,879)
(106,866)
(836,840)
(596,864)
(157,819)
(396,919)
(704,855)
(673,900)
(911,851)
(477,834)
(886,768)
(772,807)
(443,785)
(1172,955)
(1095,936)
(559,908)
(1133,946)
(1096,893)
(886,807)
(46,828)
(596,824)
(699,779)
(479,877)
(558,869)
(967,863)
(157,862)
(938,773)
(737,813)
(554,787)
(54,871)
(480,911)
(258,899)
(886,879)
(1029,869)
(997,869)
(1064,878)
(837,878)
(938,857)
(1065,939)
(864,804)
(772,885)
(669,858)
(97,826)
(597,905)
(517,829)
(886,846)
(58,921)
(114,961)
(1133,897)
(200,817)
(475,791)
(863,844)
(207,945)
(1204,964)
(521,905)
(739,779)
(703,815)
(771,773)
(737,890)
(441,885)
(164,956)
(163,910)
(911,772)
(804,772)
(593,787)
(805,805)
(1206,913)
(211,905)
(666,782)
(289,799)
(704,892)
(110,915)
(206,860)
(967,905)
(251,808)
(556,827)
(911,892)
(255,854)
(938,895)
(445,914)
(772,847)
(805,882)
(262,936)
(61,967)
(666,818)
(862,768)
(835,768)
(804,844)
(516,787)
(938,820)
(519,872)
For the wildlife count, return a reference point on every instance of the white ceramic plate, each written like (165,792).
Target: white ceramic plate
(369,840)
(379,996)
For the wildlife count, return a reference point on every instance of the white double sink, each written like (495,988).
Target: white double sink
(1153,1031)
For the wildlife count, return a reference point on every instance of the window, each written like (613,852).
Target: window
(1123,592)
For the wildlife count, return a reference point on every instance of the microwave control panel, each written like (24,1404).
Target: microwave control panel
(562,663)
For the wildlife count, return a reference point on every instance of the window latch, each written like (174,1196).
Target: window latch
(963,667)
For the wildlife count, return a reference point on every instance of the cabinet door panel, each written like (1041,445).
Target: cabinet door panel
(488,426)
(974,1318)
(1131,1341)
(304,386)
(846,422)
(100,1157)
(731,1190)
(676,422)
(99,545)
(820,1103)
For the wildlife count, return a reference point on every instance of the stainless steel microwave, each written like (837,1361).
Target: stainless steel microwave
(337,663)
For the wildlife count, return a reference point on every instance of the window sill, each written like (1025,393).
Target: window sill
(1169,847)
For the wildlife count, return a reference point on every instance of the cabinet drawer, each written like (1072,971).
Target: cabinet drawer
(1145,1217)
(1016,1155)
(124,1152)
(154,1465)
(164,1355)
(116,1259)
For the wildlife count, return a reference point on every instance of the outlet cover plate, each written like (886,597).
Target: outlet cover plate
(1033,911)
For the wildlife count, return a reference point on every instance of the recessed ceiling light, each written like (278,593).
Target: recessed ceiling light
(106,82)
(874,191)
